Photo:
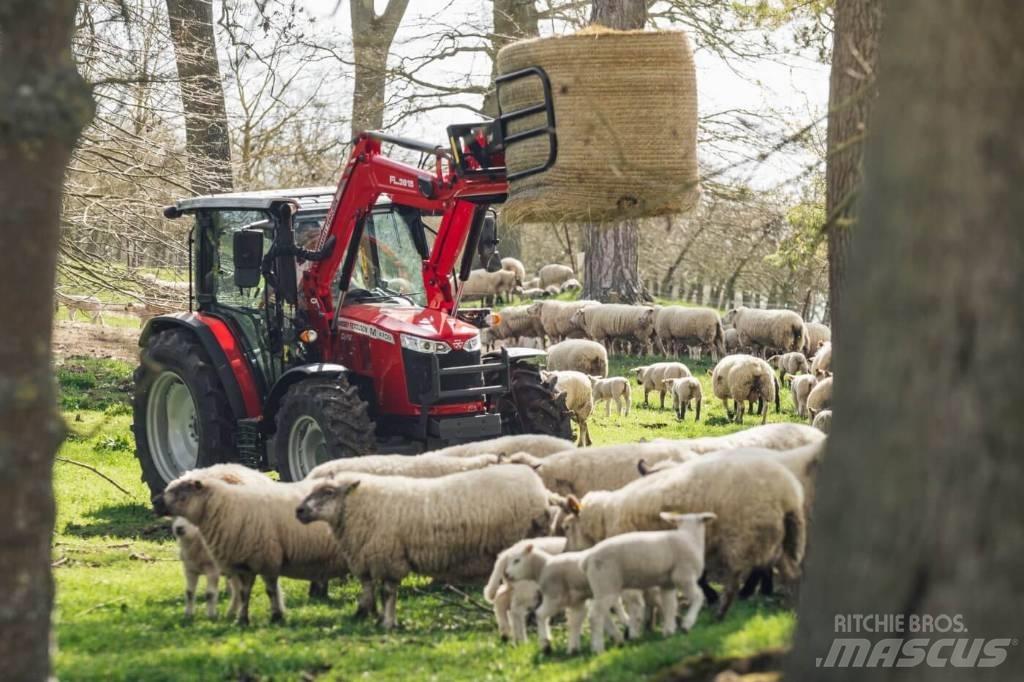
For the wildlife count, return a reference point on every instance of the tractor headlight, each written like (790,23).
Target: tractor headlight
(472,344)
(421,345)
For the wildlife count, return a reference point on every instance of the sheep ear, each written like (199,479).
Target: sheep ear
(670,517)
(706,517)
(198,485)
(528,548)
(347,488)
(573,505)
(641,466)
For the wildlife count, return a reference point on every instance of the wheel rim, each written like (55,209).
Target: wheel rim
(307,446)
(171,426)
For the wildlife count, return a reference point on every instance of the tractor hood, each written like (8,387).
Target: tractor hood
(423,322)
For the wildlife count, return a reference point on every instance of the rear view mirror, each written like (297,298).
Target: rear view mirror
(248,258)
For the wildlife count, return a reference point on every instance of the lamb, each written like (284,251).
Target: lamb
(612,388)
(578,355)
(820,397)
(554,274)
(389,526)
(251,530)
(823,421)
(652,377)
(821,366)
(732,341)
(571,284)
(488,285)
(667,559)
(791,363)
(196,560)
(800,386)
(745,378)
(514,599)
(611,322)
(758,503)
(677,325)
(516,267)
(536,444)
(579,398)
(782,329)
(817,336)
(534,293)
(685,390)
(556,318)
(90,306)
(418,466)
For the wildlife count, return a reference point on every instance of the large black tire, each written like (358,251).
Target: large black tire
(532,405)
(168,442)
(335,409)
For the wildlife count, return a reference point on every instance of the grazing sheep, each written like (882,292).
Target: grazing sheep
(765,329)
(607,467)
(554,274)
(389,526)
(488,286)
(513,600)
(579,398)
(571,284)
(684,391)
(556,318)
(652,378)
(790,363)
(677,325)
(817,335)
(821,366)
(823,421)
(745,378)
(415,466)
(532,283)
(251,530)
(196,561)
(667,559)
(611,322)
(534,293)
(612,388)
(770,436)
(732,341)
(536,444)
(758,503)
(515,323)
(552,290)
(820,397)
(90,306)
(516,267)
(800,386)
(578,355)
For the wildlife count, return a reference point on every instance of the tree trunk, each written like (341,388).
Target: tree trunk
(371,42)
(207,142)
(612,266)
(919,500)
(45,105)
(852,92)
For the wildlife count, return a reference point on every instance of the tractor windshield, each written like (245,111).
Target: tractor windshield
(391,254)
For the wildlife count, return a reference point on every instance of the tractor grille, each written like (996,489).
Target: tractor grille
(418,370)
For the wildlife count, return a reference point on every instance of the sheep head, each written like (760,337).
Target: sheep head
(185,497)
(326,502)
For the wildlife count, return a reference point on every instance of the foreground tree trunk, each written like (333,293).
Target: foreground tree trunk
(852,93)
(44,104)
(202,96)
(919,500)
(611,264)
(371,42)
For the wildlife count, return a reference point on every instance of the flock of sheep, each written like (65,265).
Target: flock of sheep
(623,530)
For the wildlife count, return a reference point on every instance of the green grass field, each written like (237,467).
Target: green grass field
(120,588)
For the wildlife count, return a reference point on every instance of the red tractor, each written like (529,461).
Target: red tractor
(326,322)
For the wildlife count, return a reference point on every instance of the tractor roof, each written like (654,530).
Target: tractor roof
(306,197)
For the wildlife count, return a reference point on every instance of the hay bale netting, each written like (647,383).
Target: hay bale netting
(626,116)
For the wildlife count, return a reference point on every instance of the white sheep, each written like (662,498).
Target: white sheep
(533,293)
(800,386)
(764,329)
(732,341)
(389,526)
(251,530)
(790,363)
(579,398)
(513,600)
(516,267)
(532,283)
(685,390)
(612,388)
(677,325)
(538,445)
(554,274)
(817,335)
(571,284)
(610,322)
(515,323)
(196,561)
(652,377)
(429,465)
(823,421)
(785,436)
(821,366)
(758,503)
(670,560)
(744,378)
(820,397)
(556,318)
(578,355)
(489,286)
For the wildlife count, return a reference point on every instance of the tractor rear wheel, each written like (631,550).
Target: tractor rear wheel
(532,405)
(181,414)
(320,420)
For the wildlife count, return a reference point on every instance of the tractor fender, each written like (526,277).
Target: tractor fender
(327,370)
(232,369)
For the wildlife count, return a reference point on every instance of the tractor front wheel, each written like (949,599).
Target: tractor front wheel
(320,420)
(532,405)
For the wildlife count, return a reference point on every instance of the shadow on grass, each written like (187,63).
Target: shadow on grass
(126,520)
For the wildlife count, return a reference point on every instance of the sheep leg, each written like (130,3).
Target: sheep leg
(662,396)
(191,580)
(276,596)
(235,589)
(628,400)
(669,608)
(620,612)
(245,582)
(599,608)
(608,407)
(544,614)
(212,592)
(318,589)
(695,598)
(520,610)
(367,602)
(731,585)
(574,617)
(502,604)
(389,590)
(710,596)
(750,586)
(646,393)
(725,404)
(634,603)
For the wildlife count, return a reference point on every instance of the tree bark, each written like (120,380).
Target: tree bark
(44,104)
(371,42)
(919,499)
(207,142)
(852,93)
(611,265)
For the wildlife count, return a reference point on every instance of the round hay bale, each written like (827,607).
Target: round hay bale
(626,117)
